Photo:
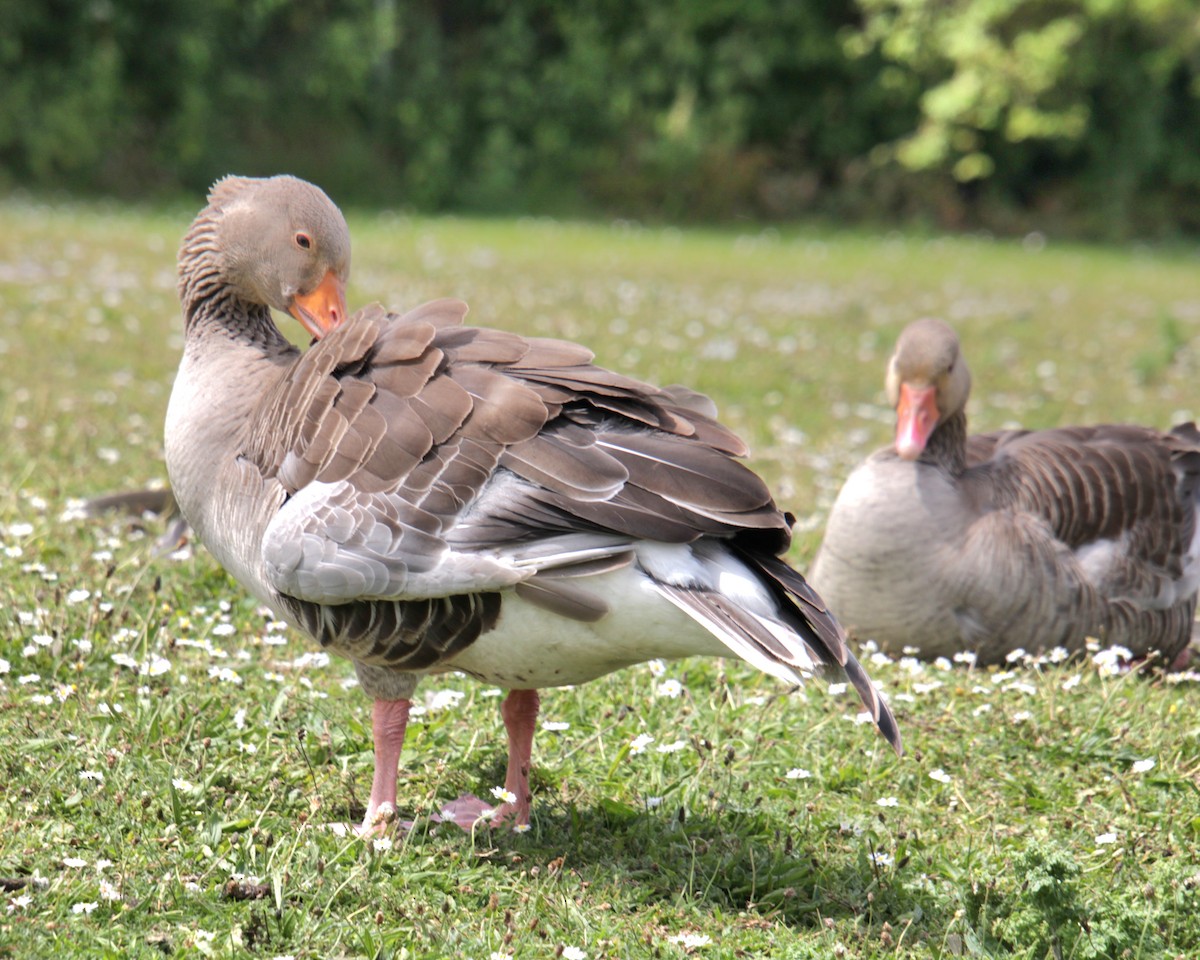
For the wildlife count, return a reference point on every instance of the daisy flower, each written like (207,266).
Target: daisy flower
(19,903)
(639,743)
(690,941)
(504,795)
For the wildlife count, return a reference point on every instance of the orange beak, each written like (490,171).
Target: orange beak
(323,309)
(916,417)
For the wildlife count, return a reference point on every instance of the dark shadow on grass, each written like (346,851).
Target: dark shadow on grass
(732,858)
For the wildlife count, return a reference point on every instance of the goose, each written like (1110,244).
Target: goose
(1016,540)
(136,504)
(422,496)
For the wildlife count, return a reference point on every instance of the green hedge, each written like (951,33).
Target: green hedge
(1000,111)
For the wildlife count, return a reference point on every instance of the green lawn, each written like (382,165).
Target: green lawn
(171,762)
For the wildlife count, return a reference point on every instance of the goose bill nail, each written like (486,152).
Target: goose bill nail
(323,309)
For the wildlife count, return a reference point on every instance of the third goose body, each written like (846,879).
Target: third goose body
(1017,539)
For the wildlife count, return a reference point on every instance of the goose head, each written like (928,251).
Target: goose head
(927,383)
(278,242)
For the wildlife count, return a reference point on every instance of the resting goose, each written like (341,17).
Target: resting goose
(1016,539)
(423,496)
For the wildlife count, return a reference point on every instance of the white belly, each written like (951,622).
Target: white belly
(532,648)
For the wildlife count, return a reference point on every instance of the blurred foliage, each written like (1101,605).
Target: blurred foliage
(1090,103)
(957,110)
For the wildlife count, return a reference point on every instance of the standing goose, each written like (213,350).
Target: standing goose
(423,496)
(1017,539)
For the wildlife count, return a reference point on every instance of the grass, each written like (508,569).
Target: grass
(170,760)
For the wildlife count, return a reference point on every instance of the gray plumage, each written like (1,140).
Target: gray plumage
(1016,539)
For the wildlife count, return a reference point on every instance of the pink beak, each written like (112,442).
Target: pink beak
(916,418)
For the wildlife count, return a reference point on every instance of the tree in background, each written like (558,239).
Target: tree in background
(1000,112)
(1092,104)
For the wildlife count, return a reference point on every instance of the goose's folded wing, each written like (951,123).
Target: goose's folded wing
(414,452)
(1121,497)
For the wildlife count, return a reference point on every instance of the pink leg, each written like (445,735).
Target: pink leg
(389,719)
(519,710)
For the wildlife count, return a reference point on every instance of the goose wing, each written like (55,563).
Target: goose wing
(1123,498)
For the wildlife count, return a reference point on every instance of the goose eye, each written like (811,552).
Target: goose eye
(303,241)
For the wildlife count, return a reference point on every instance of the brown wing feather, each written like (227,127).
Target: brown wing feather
(443,313)
(566,459)
(1092,483)
(692,475)
(502,409)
